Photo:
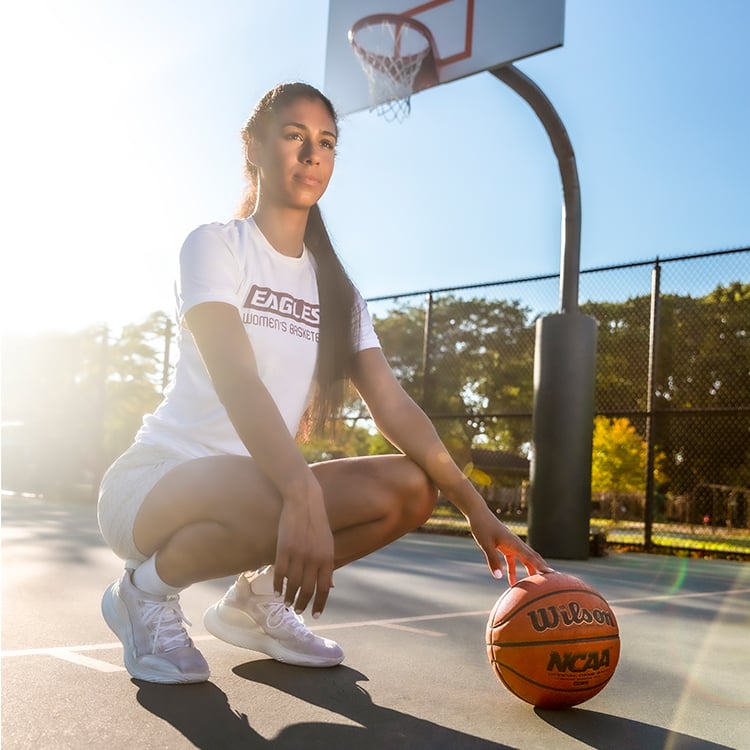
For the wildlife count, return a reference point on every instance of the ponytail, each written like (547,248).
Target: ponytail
(339,324)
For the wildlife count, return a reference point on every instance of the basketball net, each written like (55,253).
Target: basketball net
(391,50)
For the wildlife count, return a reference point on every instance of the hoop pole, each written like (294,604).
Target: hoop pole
(571,219)
(564,370)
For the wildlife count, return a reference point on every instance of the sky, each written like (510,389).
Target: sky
(121,134)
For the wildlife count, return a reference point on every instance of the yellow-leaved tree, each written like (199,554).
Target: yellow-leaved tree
(618,465)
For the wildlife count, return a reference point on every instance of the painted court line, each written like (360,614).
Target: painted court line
(693,595)
(84,661)
(417,631)
(74,654)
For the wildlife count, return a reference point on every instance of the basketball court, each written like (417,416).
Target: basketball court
(412,617)
(411,620)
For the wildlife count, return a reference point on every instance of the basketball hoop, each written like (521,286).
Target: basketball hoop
(392,50)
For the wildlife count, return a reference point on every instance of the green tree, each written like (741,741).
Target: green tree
(479,362)
(703,366)
(133,386)
(75,402)
(621,353)
(47,395)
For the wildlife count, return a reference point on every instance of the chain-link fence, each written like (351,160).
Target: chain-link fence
(671,450)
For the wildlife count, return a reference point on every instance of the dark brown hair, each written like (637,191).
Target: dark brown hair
(339,313)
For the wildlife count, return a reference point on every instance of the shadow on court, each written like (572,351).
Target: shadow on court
(606,732)
(203,714)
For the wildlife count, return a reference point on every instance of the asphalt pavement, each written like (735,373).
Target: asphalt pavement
(411,619)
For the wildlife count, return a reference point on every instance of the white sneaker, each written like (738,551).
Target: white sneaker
(156,647)
(251,616)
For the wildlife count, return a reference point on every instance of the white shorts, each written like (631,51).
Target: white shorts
(123,489)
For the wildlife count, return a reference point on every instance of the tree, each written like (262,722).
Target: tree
(621,353)
(618,460)
(47,395)
(479,361)
(76,401)
(133,381)
(703,376)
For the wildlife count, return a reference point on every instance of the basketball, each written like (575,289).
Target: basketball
(552,640)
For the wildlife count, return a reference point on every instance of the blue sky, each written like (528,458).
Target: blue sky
(124,136)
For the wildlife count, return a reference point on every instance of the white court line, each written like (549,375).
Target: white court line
(84,661)
(72,653)
(417,631)
(390,622)
(662,597)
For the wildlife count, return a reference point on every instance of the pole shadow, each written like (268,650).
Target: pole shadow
(202,714)
(606,732)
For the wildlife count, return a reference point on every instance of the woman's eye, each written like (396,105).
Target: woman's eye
(328,144)
(293,137)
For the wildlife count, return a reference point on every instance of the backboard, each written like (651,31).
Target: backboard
(464,37)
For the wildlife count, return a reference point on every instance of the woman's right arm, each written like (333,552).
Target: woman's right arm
(304,551)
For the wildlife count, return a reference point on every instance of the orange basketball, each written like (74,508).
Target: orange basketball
(552,640)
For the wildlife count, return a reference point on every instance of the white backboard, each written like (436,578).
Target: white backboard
(469,35)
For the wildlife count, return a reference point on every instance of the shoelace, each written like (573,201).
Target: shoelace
(167,618)
(279,613)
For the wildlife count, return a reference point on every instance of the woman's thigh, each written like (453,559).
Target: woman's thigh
(123,490)
(234,492)
(360,489)
(228,490)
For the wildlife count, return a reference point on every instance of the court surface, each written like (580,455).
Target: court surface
(411,619)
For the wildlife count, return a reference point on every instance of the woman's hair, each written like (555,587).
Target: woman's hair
(339,312)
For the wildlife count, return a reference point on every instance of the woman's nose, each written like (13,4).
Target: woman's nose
(309,155)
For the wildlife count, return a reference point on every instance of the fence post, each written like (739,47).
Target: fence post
(426,347)
(653,347)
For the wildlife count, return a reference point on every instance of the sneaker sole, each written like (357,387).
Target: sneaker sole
(261,642)
(116,616)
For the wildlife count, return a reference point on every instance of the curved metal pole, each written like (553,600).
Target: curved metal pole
(571,239)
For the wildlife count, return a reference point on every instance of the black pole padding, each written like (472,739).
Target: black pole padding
(563,424)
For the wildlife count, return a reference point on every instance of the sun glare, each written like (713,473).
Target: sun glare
(76,166)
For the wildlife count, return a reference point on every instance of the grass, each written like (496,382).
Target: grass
(676,539)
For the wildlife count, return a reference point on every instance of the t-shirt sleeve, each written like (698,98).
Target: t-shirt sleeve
(368,339)
(209,270)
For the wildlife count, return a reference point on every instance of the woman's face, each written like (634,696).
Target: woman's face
(295,158)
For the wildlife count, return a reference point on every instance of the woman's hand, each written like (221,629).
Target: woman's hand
(503,549)
(304,550)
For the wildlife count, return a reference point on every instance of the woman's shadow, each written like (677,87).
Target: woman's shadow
(203,715)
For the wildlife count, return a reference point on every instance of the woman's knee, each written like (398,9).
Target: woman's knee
(419,495)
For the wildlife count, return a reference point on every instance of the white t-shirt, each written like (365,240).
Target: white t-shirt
(277,297)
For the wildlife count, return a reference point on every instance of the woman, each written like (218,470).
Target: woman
(215,483)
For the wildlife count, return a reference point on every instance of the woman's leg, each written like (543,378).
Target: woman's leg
(372,501)
(216,516)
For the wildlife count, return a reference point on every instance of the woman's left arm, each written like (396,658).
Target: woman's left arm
(400,420)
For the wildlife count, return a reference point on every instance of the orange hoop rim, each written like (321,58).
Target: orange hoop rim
(381,60)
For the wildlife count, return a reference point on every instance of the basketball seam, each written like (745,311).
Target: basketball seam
(592,639)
